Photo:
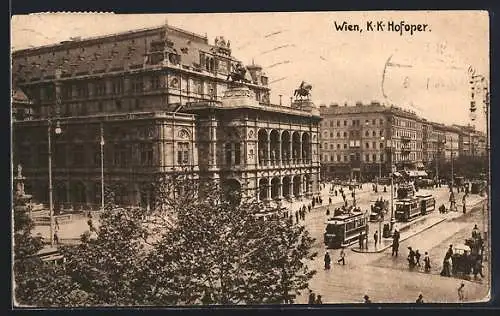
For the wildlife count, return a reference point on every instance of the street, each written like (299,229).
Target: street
(387,279)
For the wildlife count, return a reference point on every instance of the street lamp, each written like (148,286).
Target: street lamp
(102,167)
(380,161)
(58,131)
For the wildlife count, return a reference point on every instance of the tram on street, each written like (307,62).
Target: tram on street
(427,203)
(343,230)
(407,209)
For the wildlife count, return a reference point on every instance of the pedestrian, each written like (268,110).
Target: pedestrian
(56,223)
(375,238)
(297,216)
(318,300)
(449,252)
(367,299)
(91,224)
(477,269)
(475,232)
(309,207)
(330,200)
(420,299)
(463,204)
(395,247)
(446,267)
(461,292)
(427,262)
(360,241)
(56,238)
(417,258)
(327,212)
(342,256)
(336,193)
(312,297)
(411,258)
(327,261)
(313,203)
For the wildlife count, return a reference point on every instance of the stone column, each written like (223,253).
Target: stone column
(268,156)
(268,190)
(233,157)
(279,153)
(213,143)
(300,150)
(290,154)
(291,189)
(280,188)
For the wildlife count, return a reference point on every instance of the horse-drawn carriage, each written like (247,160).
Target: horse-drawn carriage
(461,260)
(466,256)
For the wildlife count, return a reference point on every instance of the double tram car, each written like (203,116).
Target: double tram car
(407,209)
(343,230)
(427,203)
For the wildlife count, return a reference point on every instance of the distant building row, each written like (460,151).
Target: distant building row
(365,140)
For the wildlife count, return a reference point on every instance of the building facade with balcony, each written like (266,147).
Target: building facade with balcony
(165,103)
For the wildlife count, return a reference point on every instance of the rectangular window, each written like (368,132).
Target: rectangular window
(155,82)
(146,150)
(182,153)
(338,123)
(66,91)
(137,84)
(345,158)
(117,86)
(338,158)
(237,154)
(100,88)
(228,154)
(367,158)
(82,90)
(374,157)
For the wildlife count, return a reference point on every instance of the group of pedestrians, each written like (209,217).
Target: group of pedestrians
(314,299)
(414,260)
(340,260)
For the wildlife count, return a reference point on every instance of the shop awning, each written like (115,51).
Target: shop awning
(422,173)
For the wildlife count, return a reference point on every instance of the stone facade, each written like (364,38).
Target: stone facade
(165,103)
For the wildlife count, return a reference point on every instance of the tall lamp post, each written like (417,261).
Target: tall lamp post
(51,189)
(479,82)
(393,220)
(102,167)
(380,161)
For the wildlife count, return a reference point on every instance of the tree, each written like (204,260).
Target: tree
(219,252)
(107,267)
(38,283)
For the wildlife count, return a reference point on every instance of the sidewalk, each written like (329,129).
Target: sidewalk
(68,232)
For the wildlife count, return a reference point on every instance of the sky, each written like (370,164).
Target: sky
(427,72)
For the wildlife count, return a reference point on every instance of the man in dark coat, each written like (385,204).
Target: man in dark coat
(312,298)
(327,260)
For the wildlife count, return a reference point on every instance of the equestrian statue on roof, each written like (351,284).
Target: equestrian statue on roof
(304,91)
(238,73)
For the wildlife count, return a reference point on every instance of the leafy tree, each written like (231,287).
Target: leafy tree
(107,266)
(218,252)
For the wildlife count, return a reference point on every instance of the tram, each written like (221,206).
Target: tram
(427,203)
(407,209)
(343,230)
